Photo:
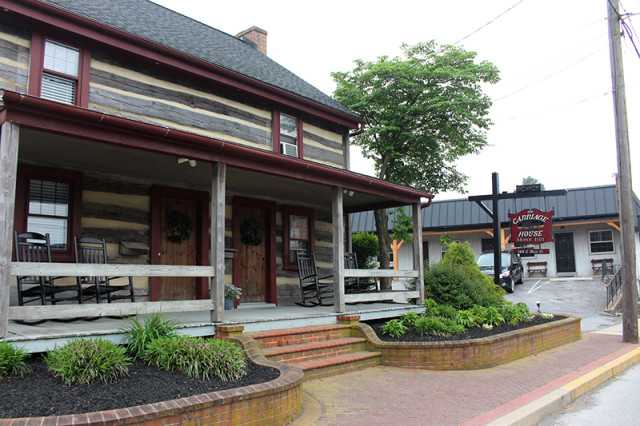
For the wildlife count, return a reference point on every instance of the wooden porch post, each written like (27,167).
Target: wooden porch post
(9,135)
(218,185)
(338,250)
(417,250)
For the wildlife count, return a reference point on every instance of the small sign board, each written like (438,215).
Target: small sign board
(535,187)
(530,251)
(531,226)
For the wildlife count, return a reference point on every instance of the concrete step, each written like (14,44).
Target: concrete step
(296,336)
(314,350)
(339,364)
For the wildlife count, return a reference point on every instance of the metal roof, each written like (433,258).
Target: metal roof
(155,23)
(580,204)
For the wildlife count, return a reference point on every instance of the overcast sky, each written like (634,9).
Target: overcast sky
(552,111)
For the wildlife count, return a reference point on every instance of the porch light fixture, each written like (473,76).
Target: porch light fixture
(192,163)
(347,192)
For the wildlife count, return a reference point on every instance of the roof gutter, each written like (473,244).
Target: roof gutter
(46,115)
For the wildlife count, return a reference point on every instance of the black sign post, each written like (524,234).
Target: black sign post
(495,197)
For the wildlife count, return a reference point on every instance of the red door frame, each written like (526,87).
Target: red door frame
(201,228)
(270,246)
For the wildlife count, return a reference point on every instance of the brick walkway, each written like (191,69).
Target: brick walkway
(388,395)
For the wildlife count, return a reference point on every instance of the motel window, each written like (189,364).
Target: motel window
(59,71)
(601,241)
(288,134)
(49,203)
(299,233)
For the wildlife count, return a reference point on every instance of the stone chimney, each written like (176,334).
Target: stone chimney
(256,35)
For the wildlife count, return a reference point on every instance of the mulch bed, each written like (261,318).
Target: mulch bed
(38,393)
(412,335)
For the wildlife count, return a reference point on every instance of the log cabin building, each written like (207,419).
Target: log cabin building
(198,158)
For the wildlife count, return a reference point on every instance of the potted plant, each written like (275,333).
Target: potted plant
(231,293)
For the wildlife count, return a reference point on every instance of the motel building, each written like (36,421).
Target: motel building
(585,228)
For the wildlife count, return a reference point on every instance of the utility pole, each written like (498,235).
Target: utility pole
(629,283)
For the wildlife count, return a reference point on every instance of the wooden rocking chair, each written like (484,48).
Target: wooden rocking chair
(314,290)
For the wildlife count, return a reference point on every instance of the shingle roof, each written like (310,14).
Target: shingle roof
(579,204)
(165,27)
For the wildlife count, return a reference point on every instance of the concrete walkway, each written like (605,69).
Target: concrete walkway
(521,392)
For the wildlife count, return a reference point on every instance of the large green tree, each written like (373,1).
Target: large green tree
(422,112)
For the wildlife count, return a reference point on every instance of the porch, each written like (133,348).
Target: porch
(253,316)
(127,175)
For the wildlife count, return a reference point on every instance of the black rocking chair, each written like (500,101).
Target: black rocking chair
(35,247)
(314,289)
(94,251)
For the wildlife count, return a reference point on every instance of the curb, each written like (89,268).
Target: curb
(533,412)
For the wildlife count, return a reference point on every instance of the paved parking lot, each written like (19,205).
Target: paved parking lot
(582,297)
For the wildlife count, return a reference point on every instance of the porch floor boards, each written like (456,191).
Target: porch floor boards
(254,317)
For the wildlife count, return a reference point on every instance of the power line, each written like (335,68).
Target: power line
(547,111)
(485,25)
(548,76)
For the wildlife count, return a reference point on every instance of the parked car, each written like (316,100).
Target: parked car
(512,270)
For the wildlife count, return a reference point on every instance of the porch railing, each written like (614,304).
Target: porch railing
(380,273)
(38,312)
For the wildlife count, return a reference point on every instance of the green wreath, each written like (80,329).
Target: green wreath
(251,232)
(179,226)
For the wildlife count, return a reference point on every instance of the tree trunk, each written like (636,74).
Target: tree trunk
(384,243)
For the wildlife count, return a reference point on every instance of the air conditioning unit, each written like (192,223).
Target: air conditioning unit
(289,149)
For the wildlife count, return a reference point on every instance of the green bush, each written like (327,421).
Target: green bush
(197,357)
(138,334)
(410,318)
(365,246)
(438,326)
(492,316)
(88,361)
(12,360)
(457,281)
(394,328)
(466,318)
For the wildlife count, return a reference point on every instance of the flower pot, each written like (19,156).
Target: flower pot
(228,304)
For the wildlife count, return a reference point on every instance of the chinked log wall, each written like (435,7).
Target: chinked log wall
(149,95)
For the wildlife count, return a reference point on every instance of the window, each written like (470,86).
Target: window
(601,241)
(59,71)
(287,134)
(299,234)
(48,202)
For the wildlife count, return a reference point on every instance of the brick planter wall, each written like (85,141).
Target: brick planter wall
(475,353)
(273,403)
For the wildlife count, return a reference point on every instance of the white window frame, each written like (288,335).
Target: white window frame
(613,247)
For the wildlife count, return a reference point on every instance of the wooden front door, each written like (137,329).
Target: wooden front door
(253,238)
(177,239)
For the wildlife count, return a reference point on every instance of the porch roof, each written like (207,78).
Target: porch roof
(71,124)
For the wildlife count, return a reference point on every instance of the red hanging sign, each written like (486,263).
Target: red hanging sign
(531,226)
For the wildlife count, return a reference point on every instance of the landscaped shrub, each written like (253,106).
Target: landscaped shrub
(12,360)
(457,281)
(394,328)
(466,318)
(438,326)
(514,314)
(88,361)
(365,246)
(197,357)
(410,318)
(139,334)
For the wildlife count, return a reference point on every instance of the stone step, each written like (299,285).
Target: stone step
(290,354)
(296,336)
(339,364)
